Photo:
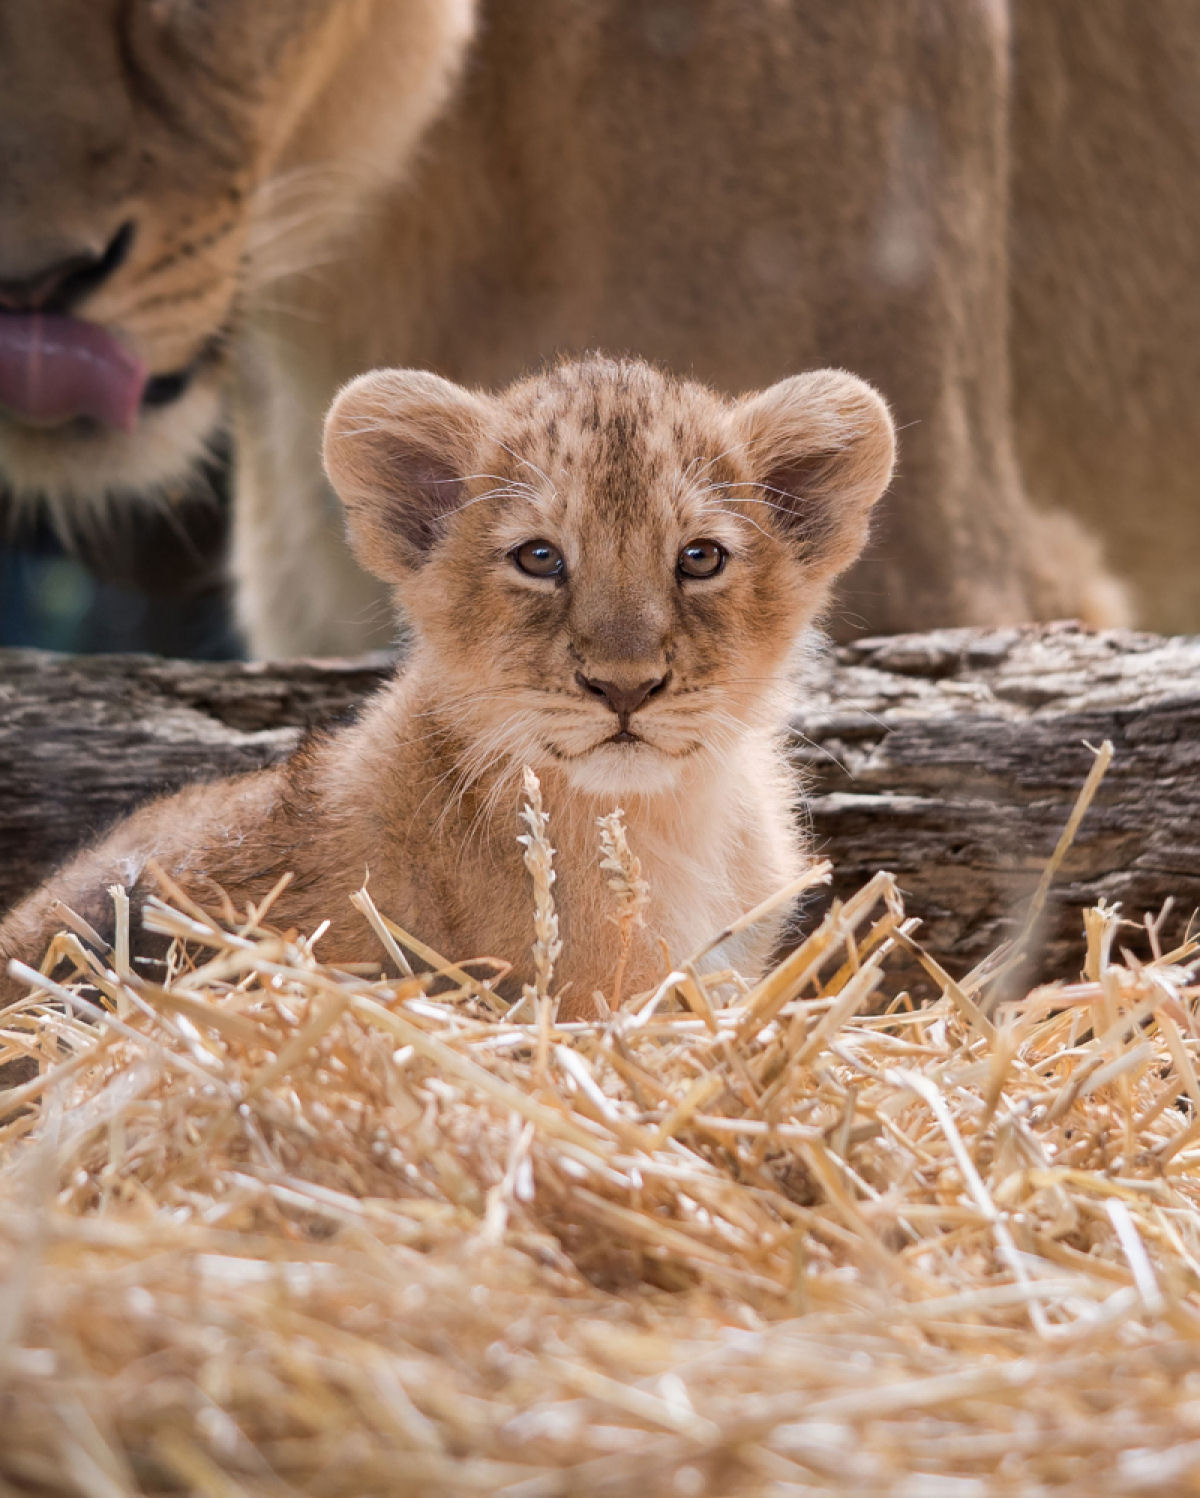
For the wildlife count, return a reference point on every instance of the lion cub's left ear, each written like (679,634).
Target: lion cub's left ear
(822,448)
(399,446)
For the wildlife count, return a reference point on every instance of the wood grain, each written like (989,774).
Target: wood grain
(951,758)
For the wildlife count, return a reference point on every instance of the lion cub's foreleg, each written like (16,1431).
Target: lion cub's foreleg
(204,835)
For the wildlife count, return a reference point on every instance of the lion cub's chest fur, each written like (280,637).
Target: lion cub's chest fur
(715,850)
(723,842)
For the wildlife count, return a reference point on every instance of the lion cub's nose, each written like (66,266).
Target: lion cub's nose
(622,700)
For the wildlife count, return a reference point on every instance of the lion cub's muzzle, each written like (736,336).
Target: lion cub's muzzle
(623,698)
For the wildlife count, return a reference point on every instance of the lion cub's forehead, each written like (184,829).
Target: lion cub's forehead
(619,439)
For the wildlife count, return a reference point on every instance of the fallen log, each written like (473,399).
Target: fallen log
(951,758)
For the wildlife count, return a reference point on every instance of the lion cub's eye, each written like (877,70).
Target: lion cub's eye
(701,559)
(539,559)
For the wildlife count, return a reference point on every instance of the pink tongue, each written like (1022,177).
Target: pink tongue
(53,368)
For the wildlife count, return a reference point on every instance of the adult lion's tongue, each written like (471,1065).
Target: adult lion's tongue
(53,368)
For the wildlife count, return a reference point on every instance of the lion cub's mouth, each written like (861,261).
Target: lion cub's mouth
(624,738)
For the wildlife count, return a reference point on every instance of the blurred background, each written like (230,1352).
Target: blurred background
(152,581)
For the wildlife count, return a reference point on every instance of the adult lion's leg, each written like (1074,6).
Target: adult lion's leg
(959,541)
(299,590)
(1106,324)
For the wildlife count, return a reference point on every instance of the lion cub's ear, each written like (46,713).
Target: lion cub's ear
(822,447)
(399,445)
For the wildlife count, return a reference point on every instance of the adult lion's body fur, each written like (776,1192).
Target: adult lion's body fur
(736,188)
(1105,343)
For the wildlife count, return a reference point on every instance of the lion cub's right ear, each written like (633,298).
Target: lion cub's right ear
(823,448)
(399,445)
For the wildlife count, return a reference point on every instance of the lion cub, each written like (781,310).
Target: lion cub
(606,571)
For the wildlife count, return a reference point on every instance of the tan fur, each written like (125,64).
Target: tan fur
(620,468)
(1106,309)
(738,188)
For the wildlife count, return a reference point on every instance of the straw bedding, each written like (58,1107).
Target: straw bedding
(270,1228)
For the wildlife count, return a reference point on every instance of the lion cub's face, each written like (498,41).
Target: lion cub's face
(608,567)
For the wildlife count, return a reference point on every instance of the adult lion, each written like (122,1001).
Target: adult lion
(216,210)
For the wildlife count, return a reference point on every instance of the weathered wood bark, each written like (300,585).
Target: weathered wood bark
(951,758)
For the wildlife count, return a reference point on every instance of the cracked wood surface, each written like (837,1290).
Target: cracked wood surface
(951,758)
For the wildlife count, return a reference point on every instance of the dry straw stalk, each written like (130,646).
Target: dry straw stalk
(270,1228)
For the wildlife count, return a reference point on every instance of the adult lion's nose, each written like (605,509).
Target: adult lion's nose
(623,700)
(59,284)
